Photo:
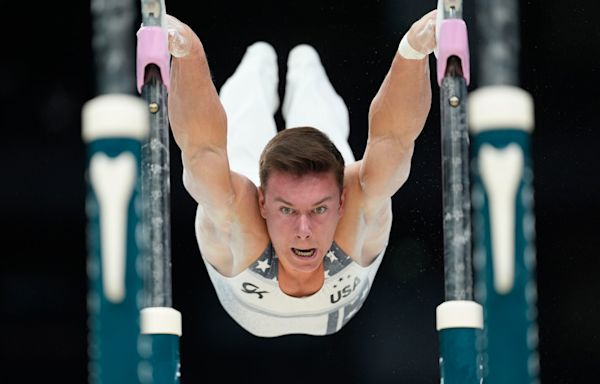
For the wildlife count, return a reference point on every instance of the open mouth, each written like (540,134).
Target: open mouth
(304,252)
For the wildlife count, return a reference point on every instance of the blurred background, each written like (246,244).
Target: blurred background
(43,284)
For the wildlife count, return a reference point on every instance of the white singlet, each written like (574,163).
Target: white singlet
(255,301)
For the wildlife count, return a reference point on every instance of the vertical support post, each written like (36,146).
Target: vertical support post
(160,323)
(114,124)
(501,119)
(459,318)
(113,128)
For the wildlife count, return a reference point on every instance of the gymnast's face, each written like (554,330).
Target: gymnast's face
(302,214)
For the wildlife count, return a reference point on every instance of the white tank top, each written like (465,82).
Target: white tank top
(255,301)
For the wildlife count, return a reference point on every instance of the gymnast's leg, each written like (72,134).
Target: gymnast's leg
(311,100)
(250,100)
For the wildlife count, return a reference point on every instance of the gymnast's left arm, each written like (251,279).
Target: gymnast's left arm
(398,113)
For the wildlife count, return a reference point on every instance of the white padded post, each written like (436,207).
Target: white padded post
(459,314)
(160,320)
(114,116)
(498,107)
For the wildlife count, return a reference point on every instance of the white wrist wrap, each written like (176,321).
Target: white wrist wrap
(408,52)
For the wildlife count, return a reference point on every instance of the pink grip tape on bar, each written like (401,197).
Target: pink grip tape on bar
(453,41)
(152,49)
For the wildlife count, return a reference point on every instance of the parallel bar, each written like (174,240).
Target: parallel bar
(459,318)
(455,185)
(156,193)
(153,13)
(160,324)
(152,70)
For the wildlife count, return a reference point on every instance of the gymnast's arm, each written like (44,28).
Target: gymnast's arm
(199,124)
(396,117)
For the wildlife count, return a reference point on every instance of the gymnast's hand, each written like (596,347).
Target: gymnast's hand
(179,36)
(420,40)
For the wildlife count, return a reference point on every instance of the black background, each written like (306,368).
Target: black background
(48,73)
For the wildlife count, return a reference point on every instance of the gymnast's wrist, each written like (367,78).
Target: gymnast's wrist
(408,52)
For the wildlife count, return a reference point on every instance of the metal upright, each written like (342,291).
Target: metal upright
(152,82)
(114,124)
(160,323)
(501,120)
(459,318)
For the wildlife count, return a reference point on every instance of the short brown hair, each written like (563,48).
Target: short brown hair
(301,151)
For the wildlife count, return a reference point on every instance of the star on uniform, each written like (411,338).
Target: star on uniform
(331,256)
(263,265)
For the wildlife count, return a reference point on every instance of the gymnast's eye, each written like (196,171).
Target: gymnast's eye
(320,210)
(286,210)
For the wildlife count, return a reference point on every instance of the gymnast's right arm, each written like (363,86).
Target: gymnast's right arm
(198,123)
(228,223)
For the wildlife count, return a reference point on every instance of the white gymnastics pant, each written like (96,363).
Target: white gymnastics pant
(250,99)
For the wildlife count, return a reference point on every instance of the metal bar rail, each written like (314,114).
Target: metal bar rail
(160,324)
(459,318)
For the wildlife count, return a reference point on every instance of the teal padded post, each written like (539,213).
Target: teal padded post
(459,324)
(161,330)
(501,120)
(114,126)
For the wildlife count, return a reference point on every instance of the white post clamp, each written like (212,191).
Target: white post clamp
(459,314)
(500,107)
(160,320)
(115,116)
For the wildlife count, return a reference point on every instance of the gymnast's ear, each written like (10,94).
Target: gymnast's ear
(342,202)
(261,201)
(179,35)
